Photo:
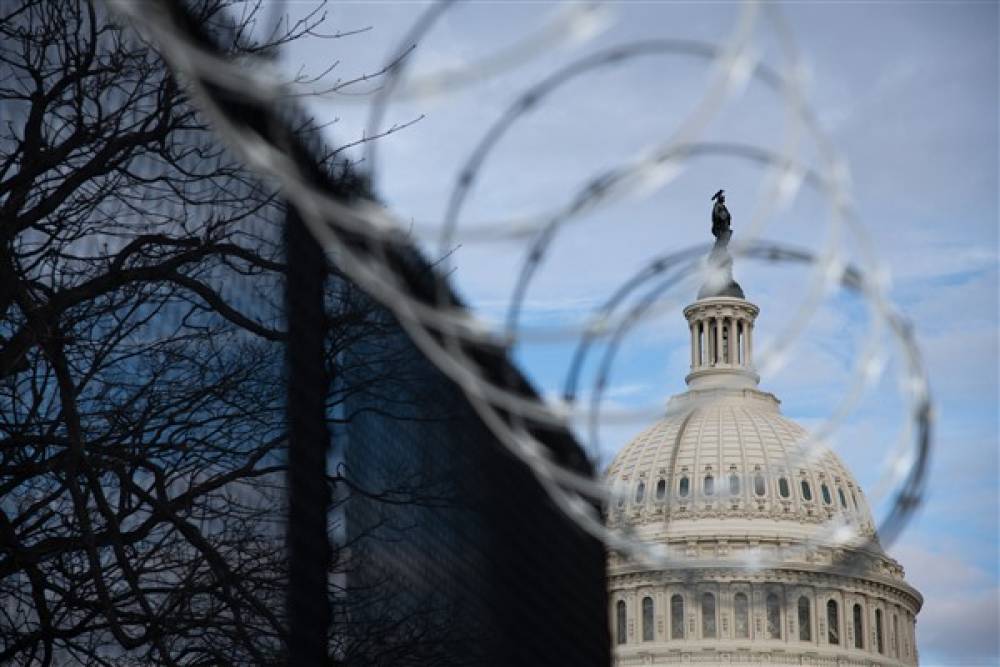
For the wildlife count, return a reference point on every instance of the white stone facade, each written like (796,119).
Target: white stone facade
(775,552)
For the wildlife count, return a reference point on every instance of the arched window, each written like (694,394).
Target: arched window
(647,619)
(843,500)
(805,622)
(734,485)
(783,487)
(708,615)
(685,486)
(640,492)
(677,617)
(621,622)
(854,499)
(895,636)
(758,484)
(741,609)
(826,494)
(661,489)
(832,622)
(773,617)
(879,642)
(859,628)
(807,493)
(709,485)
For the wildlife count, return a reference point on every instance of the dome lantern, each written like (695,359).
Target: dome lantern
(721,343)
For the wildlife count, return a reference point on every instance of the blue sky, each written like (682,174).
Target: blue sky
(907,92)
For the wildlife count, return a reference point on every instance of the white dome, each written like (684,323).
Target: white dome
(730,454)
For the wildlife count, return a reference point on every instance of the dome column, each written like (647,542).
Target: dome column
(693,327)
(709,342)
(718,341)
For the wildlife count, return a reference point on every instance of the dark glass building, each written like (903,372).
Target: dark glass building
(457,556)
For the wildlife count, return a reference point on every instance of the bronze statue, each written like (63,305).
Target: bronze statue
(721,283)
(720,219)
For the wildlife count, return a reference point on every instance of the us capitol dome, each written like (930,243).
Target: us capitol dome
(776,556)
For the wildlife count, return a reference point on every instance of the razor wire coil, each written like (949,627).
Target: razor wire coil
(446,332)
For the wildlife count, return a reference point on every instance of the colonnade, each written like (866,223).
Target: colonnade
(736,348)
(721,331)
